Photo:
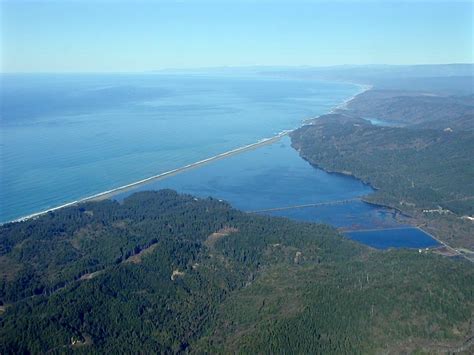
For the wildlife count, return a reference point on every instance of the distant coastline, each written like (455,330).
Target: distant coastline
(343,105)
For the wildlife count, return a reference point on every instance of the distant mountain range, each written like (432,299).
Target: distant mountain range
(342,72)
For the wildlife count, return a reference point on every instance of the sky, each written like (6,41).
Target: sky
(143,35)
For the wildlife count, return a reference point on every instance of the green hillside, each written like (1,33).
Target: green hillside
(169,273)
(416,109)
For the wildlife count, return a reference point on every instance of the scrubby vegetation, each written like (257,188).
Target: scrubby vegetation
(169,273)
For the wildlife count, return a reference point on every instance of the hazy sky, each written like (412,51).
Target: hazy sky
(77,36)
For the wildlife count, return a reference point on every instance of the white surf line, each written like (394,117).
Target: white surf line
(110,193)
(343,105)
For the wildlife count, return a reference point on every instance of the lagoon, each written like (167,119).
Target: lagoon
(276,177)
(394,238)
(66,137)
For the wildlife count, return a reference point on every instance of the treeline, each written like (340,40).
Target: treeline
(398,301)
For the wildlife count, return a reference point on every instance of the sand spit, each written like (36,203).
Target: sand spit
(133,185)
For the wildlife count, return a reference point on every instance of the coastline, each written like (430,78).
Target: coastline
(343,105)
(110,193)
(124,188)
(262,142)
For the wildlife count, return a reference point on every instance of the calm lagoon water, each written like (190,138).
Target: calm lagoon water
(66,137)
(394,238)
(268,177)
(275,176)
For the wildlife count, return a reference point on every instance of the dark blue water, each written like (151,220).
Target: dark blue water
(348,216)
(275,176)
(394,238)
(268,177)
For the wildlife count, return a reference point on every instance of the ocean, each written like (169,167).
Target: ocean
(66,137)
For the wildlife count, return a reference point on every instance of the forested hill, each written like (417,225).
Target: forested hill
(416,109)
(422,169)
(170,273)
(417,152)
(427,173)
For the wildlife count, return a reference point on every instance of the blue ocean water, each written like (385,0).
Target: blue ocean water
(66,137)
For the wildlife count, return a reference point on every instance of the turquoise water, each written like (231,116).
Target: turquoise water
(65,137)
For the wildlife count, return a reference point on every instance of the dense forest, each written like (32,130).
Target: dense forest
(170,273)
(423,166)
(415,109)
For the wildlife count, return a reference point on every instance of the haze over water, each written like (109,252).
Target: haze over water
(65,137)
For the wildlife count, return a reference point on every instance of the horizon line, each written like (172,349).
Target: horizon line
(230,67)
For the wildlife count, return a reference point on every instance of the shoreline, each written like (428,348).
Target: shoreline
(124,188)
(340,107)
(343,105)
